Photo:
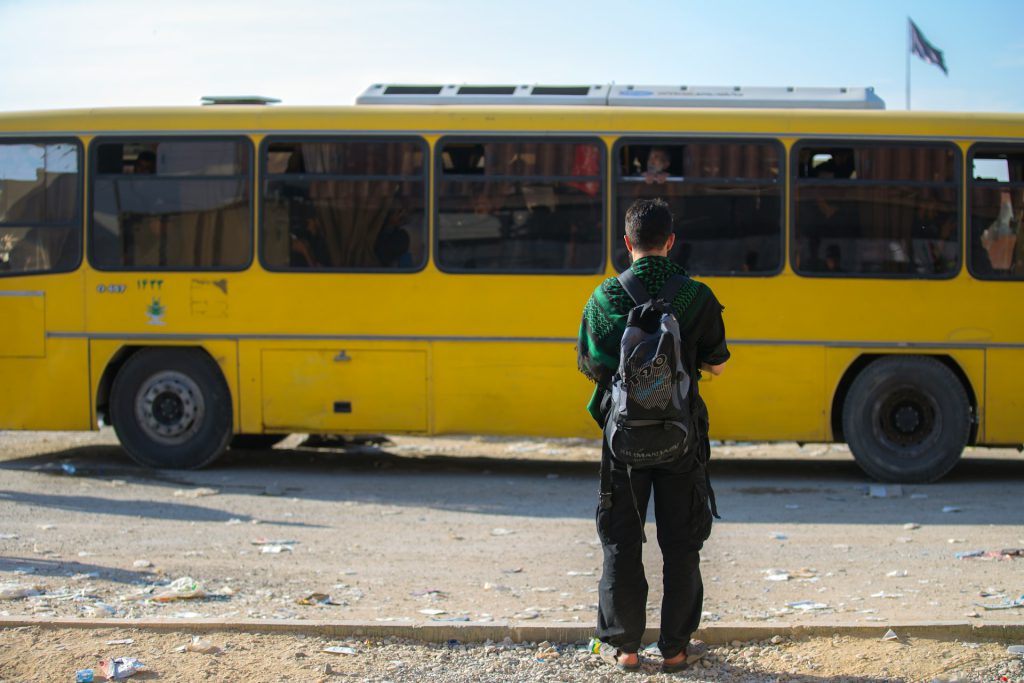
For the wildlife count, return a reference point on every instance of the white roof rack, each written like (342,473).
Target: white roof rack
(238,99)
(626,96)
(596,95)
(739,96)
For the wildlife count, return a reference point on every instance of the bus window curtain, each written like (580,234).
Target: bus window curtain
(350,212)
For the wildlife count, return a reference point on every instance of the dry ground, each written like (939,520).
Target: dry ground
(480,529)
(263,657)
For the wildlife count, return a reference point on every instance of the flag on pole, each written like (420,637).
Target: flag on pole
(925,50)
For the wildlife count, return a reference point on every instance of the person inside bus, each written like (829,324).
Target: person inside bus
(393,246)
(999,239)
(840,164)
(27,254)
(307,241)
(933,244)
(145,163)
(819,215)
(659,161)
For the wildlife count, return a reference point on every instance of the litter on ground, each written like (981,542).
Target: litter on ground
(1006,604)
(201,646)
(120,668)
(196,493)
(16,591)
(184,588)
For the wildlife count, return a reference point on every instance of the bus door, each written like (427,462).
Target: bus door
(43,356)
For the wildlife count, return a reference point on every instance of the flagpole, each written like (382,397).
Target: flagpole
(909,39)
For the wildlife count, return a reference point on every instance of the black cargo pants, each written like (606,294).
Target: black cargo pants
(683,516)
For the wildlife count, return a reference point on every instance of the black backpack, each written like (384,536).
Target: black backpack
(649,421)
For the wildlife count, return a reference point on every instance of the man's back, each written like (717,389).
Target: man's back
(604,322)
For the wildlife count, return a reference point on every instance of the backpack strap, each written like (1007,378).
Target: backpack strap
(636,289)
(671,288)
(638,292)
(605,495)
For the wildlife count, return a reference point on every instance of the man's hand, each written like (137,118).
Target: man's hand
(713,369)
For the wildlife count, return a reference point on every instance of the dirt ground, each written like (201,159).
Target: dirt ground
(480,529)
(265,657)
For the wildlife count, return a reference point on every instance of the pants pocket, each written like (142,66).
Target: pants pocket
(700,512)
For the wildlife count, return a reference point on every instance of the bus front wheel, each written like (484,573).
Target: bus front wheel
(171,408)
(907,419)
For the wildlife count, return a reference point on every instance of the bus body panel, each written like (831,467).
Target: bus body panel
(154,304)
(1004,396)
(344,388)
(510,388)
(47,393)
(769,392)
(25,315)
(47,373)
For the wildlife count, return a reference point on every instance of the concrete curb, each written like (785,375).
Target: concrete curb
(557,632)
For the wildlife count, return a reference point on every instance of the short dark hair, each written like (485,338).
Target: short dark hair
(648,223)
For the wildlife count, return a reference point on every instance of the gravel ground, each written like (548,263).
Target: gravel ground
(478,529)
(253,657)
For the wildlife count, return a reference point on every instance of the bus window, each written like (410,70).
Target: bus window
(876,209)
(344,205)
(726,198)
(39,227)
(997,213)
(171,204)
(520,206)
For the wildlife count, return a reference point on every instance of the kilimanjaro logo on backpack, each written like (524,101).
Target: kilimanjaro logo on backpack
(649,423)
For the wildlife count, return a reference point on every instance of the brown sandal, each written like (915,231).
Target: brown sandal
(674,665)
(623,665)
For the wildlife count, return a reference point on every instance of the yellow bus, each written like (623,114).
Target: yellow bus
(190,275)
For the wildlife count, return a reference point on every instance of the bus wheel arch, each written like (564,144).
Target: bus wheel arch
(107,381)
(171,407)
(905,417)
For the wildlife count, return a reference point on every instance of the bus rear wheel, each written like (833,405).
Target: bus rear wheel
(171,408)
(907,419)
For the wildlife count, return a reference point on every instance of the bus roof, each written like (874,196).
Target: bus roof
(505,120)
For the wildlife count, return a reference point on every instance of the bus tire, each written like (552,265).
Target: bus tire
(256,442)
(171,408)
(907,419)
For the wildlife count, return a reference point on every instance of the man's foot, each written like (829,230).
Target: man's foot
(674,664)
(694,652)
(628,661)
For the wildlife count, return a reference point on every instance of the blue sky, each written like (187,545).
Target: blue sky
(83,53)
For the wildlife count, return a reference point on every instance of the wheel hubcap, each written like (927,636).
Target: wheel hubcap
(169,407)
(907,417)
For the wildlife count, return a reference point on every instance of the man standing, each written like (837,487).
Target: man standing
(683,500)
